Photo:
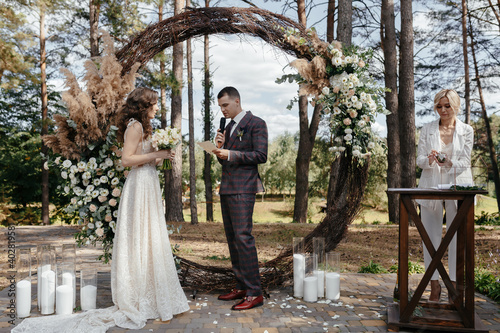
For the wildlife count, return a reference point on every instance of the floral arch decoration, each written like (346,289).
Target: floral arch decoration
(335,79)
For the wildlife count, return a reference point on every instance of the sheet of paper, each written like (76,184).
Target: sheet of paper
(208,146)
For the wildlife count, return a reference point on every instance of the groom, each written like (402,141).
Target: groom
(242,146)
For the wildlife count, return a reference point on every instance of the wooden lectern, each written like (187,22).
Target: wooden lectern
(459,316)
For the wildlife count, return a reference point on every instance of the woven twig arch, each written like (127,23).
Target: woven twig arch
(208,21)
(271,28)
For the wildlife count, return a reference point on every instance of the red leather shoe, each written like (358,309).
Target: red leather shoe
(246,304)
(234,294)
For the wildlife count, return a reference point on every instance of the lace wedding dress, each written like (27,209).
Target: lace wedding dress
(144,280)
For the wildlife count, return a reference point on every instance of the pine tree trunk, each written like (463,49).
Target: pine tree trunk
(330,21)
(301,169)
(192,161)
(173,178)
(307,136)
(344,26)
(45,127)
(207,168)
(406,100)
(94,9)
(491,146)
(163,88)
(388,38)
(495,11)
(466,61)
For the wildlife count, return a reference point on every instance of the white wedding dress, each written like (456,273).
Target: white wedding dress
(144,280)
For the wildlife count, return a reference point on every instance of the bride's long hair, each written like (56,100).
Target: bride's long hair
(137,105)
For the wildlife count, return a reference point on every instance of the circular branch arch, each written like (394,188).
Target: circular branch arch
(348,178)
(208,21)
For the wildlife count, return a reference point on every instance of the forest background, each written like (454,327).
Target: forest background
(39,37)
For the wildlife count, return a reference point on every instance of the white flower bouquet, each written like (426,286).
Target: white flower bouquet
(167,138)
(94,185)
(337,78)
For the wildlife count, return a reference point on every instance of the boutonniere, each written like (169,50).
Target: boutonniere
(240,132)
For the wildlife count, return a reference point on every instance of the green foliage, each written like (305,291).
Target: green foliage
(372,268)
(376,186)
(487,284)
(21,167)
(413,268)
(278,173)
(216,257)
(488,219)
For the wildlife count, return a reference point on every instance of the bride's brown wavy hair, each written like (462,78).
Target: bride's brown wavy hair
(137,106)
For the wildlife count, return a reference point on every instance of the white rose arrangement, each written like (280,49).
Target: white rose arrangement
(94,185)
(337,78)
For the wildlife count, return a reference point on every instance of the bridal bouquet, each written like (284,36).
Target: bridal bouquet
(167,138)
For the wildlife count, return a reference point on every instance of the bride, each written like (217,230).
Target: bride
(144,280)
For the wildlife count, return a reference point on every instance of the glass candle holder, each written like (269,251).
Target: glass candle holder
(298,266)
(23,283)
(319,251)
(88,288)
(68,257)
(332,275)
(39,272)
(64,288)
(310,280)
(47,279)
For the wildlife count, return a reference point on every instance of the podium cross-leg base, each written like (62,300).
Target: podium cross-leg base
(434,317)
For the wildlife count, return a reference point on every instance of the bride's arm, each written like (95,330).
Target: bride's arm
(132,140)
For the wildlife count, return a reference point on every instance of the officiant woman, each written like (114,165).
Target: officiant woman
(444,154)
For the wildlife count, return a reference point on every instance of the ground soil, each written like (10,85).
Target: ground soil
(205,243)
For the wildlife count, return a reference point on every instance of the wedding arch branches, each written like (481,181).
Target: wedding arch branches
(333,77)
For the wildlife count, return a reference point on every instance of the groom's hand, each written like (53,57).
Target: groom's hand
(220,138)
(223,154)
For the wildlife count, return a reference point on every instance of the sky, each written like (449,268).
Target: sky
(252,66)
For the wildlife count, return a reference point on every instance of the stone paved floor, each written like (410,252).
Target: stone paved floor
(361,308)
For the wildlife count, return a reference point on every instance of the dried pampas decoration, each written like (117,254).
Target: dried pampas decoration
(94,110)
(314,71)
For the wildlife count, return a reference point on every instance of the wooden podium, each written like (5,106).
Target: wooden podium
(459,316)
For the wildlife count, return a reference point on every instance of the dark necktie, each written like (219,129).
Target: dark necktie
(229,127)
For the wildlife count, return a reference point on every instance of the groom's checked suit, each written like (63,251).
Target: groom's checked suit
(246,143)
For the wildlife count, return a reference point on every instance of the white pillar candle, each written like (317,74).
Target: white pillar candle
(88,297)
(299,265)
(23,298)
(69,279)
(47,292)
(333,286)
(40,271)
(321,282)
(64,300)
(311,289)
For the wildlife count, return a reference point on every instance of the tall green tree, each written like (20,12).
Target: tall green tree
(173,178)
(406,98)
(389,47)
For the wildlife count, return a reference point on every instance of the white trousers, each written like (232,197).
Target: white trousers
(432,219)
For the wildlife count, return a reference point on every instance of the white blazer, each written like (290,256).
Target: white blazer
(463,140)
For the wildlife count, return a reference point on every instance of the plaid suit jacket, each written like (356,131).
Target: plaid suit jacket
(248,146)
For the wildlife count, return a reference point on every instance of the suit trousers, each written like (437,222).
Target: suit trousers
(237,211)
(432,219)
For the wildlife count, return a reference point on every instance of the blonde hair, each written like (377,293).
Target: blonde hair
(452,96)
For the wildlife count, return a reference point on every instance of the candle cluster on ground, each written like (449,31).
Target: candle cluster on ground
(56,286)
(315,275)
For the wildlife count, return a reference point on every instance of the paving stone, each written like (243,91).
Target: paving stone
(362,307)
